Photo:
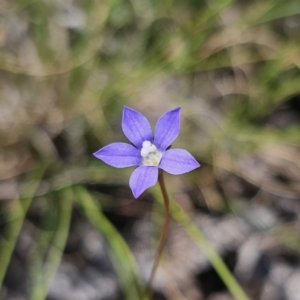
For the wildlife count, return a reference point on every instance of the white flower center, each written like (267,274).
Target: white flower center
(151,156)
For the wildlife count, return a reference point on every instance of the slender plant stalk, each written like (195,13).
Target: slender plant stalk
(16,213)
(201,241)
(43,278)
(121,255)
(163,236)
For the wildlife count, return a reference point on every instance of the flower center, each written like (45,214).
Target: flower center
(151,156)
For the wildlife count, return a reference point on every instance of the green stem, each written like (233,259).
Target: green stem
(42,279)
(215,259)
(163,236)
(17,210)
(121,255)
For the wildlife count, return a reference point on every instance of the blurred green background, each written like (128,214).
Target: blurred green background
(70,228)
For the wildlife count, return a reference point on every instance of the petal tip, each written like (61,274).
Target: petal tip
(126,108)
(196,165)
(174,110)
(136,194)
(136,191)
(96,153)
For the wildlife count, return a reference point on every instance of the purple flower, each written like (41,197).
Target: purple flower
(147,152)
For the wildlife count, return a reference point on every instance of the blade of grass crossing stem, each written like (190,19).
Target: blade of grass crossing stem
(121,255)
(17,211)
(55,251)
(36,275)
(200,240)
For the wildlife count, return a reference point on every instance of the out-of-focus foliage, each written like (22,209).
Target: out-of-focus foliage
(66,70)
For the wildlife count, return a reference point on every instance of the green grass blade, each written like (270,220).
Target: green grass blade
(200,240)
(17,211)
(121,255)
(53,244)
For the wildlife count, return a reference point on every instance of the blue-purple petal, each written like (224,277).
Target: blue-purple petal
(136,127)
(142,178)
(167,129)
(119,155)
(178,161)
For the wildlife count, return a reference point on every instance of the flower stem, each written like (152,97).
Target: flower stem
(163,236)
(183,219)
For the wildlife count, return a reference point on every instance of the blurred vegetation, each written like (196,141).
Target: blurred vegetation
(68,67)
